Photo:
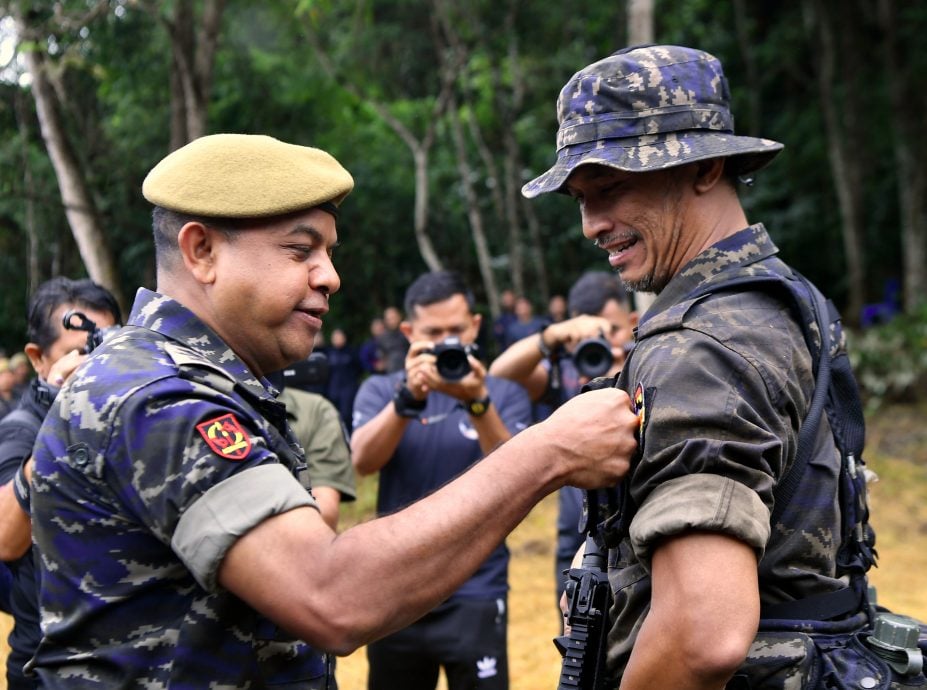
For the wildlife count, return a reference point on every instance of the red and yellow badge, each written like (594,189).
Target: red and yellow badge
(226,437)
(640,406)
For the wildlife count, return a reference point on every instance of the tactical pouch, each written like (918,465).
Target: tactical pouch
(821,655)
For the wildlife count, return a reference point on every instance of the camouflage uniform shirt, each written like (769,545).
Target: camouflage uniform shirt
(160,452)
(721,385)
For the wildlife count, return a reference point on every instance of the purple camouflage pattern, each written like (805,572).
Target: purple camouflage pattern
(129,595)
(648,109)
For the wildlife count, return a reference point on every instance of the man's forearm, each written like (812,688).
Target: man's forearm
(491,430)
(373,444)
(15,526)
(519,360)
(329,500)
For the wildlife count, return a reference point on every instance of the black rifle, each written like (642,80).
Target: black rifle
(76,320)
(590,597)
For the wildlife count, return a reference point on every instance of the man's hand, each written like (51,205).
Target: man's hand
(594,434)
(422,375)
(420,368)
(62,369)
(569,333)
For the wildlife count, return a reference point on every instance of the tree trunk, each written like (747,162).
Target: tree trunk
(418,147)
(640,22)
(474,216)
(640,30)
(746,46)
(32,261)
(845,167)
(76,198)
(420,219)
(912,177)
(192,61)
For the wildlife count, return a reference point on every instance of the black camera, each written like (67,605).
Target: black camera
(593,357)
(306,373)
(75,320)
(451,358)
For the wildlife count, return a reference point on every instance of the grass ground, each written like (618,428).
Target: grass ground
(896,451)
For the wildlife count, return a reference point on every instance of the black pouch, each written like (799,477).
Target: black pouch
(820,655)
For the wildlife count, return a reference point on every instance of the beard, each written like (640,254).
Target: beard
(646,283)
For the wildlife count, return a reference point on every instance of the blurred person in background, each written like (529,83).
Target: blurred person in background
(393,344)
(7,387)
(525,322)
(556,309)
(22,370)
(54,352)
(344,372)
(371,356)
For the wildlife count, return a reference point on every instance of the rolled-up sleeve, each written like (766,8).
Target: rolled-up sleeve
(209,527)
(700,502)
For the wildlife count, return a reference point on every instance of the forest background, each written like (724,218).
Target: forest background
(442,110)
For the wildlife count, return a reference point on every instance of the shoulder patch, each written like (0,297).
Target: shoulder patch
(641,404)
(225,437)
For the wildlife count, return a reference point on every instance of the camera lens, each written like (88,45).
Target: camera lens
(452,363)
(451,359)
(593,357)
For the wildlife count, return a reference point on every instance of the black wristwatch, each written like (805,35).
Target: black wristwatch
(478,407)
(406,404)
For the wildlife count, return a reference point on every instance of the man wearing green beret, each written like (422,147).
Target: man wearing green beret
(181,546)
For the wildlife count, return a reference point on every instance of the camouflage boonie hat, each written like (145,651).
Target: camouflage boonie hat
(648,108)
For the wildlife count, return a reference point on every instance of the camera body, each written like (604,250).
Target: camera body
(76,320)
(593,357)
(451,358)
(306,373)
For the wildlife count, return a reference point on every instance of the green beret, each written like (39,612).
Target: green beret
(245,176)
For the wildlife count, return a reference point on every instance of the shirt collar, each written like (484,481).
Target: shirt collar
(743,248)
(169,318)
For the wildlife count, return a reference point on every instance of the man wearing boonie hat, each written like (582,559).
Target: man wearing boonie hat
(721,381)
(180,544)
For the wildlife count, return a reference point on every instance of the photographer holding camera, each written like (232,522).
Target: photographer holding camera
(55,351)
(419,428)
(554,364)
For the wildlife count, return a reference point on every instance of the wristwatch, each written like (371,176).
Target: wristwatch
(478,407)
(542,346)
(406,404)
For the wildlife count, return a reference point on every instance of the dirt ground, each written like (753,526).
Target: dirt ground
(896,451)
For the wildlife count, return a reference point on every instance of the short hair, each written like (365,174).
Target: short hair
(593,290)
(434,287)
(51,294)
(166,225)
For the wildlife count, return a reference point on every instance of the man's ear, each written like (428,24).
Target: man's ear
(405,327)
(707,173)
(197,245)
(36,358)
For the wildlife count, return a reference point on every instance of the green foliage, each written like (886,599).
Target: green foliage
(890,360)
(115,66)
